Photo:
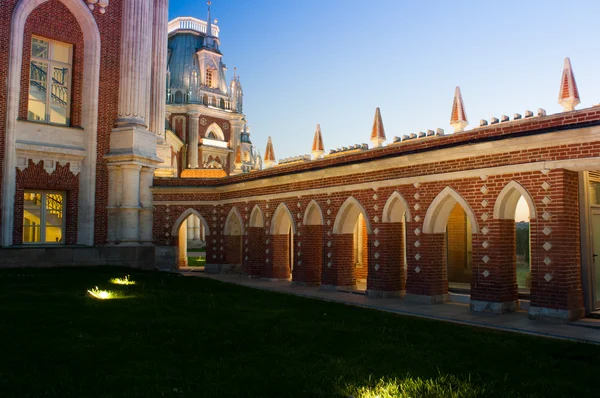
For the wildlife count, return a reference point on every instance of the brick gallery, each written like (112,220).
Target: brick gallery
(122,143)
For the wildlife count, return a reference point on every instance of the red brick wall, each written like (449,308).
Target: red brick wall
(431,280)
(63,27)
(233,249)
(256,251)
(35,177)
(390,275)
(341,272)
(279,247)
(311,241)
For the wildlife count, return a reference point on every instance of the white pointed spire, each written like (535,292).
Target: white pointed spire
(317,146)
(208,23)
(269,159)
(568,97)
(458,118)
(378,132)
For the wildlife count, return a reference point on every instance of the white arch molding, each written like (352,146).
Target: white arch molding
(347,215)
(506,202)
(282,221)
(184,216)
(215,128)
(395,208)
(256,218)
(234,212)
(89,116)
(439,211)
(313,214)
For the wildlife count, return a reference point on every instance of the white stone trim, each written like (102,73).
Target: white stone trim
(256,218)
(313,206)
(437,215)
(184,216)
(350,209)
(234,212)
(280,212)
(506,202)
(89,116)
(394,198)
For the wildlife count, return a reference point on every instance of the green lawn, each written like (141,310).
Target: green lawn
(178,336)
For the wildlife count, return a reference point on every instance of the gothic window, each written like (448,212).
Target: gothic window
(222,103)
(44,217)
(49,81)
(178,97)
(205,99)
(208,77)
(212,135)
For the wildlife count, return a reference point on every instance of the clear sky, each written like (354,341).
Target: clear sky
(334,61)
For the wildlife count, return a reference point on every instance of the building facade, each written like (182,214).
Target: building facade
(121,141)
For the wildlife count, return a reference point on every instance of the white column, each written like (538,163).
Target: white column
(114,200)
(193,139)
(146,211)
(158,94)
(129,220)
(136,50)
(182,243)
(196,228)
(190,225)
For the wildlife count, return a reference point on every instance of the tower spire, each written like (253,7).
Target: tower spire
(378,132)
(568,96)
(269,159)
(458,118)
(317,146)
(208,23)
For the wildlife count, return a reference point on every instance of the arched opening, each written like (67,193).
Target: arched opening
(178,97)
(214,132)
(396,213)
(459,250)
(233,232)
(191,231)
(256,218)
(255,249)
(282,231)
(352,228)
(516,204)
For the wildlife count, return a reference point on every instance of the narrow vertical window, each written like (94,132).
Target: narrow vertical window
(49,81)
(208,77)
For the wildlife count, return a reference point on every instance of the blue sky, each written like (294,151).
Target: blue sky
(334,61)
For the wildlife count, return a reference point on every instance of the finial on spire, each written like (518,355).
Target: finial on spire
(317,146)
(269,159)
(568,97)
(378,132)
(234,72)
(458,118)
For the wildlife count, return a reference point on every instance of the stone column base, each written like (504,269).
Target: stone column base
(554,315)
(423,299)
(385,293)
(494,307)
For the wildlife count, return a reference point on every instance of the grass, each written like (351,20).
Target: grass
(176,336)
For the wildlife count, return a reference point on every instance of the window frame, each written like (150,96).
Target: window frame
(51,63)
(63,226)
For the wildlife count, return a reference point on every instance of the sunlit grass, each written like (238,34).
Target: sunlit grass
(122,281)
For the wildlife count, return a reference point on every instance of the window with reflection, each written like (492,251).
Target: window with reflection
(49,81)
(43,217)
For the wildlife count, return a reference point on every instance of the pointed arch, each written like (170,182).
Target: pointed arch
(184,216)
(396,207)
(89,115)
(256,217)
(437,215)
(216,130)
(506,202)
(313,214)
(347,215)
(233,216)
(282,221)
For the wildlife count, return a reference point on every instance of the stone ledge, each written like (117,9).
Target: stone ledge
(423,299)
(494,307)
(385,293)
(555,315)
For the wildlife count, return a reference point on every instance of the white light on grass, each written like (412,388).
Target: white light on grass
(100,294)
(122,281)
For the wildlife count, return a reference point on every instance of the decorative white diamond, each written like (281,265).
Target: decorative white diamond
(246,216)
(299,225)
(329,264)
(246,233)
(417,218)
(484,203)
(167,218)
(547,261)
(548,277)
(267,206)
(246,241)
(376,267)
(485,216)
(376,255)
(214,256)
(328,201)
(547,246)
(329,244)
(167,234)
(267,214)
(246,258)
(418,243)
(169,210)
(485,244)
(486,273)
(214,241)
(485,259)
(167,226)
(418,256)
(299,254)
(547,231)
(214,225)
(328,222)
(299,205)
(417,206)
(246,208)
(246,225)
(222,211)
(417,184)
(485,230)
(299,262)
(214,211)
(267,223)
(376,219)
(214,247)
(545,171)
(483,177)
(376,231)
(267,241)
(267,261)
(267,251)
(299,233)
(375,207)
(545,186)
(266,230)
(299,215)
(375,197)
(328,212)
(246,250)
(484,189)
(546,216)
(418,231)
(299,244)
(417,269)
(417,196)
(376,243)
(215,218)
(328,233)
(546,200)
(329,254)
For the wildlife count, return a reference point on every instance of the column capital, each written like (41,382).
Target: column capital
(193,114)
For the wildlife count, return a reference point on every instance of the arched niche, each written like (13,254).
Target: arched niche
(439,211)
(345,220)
(313,214)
